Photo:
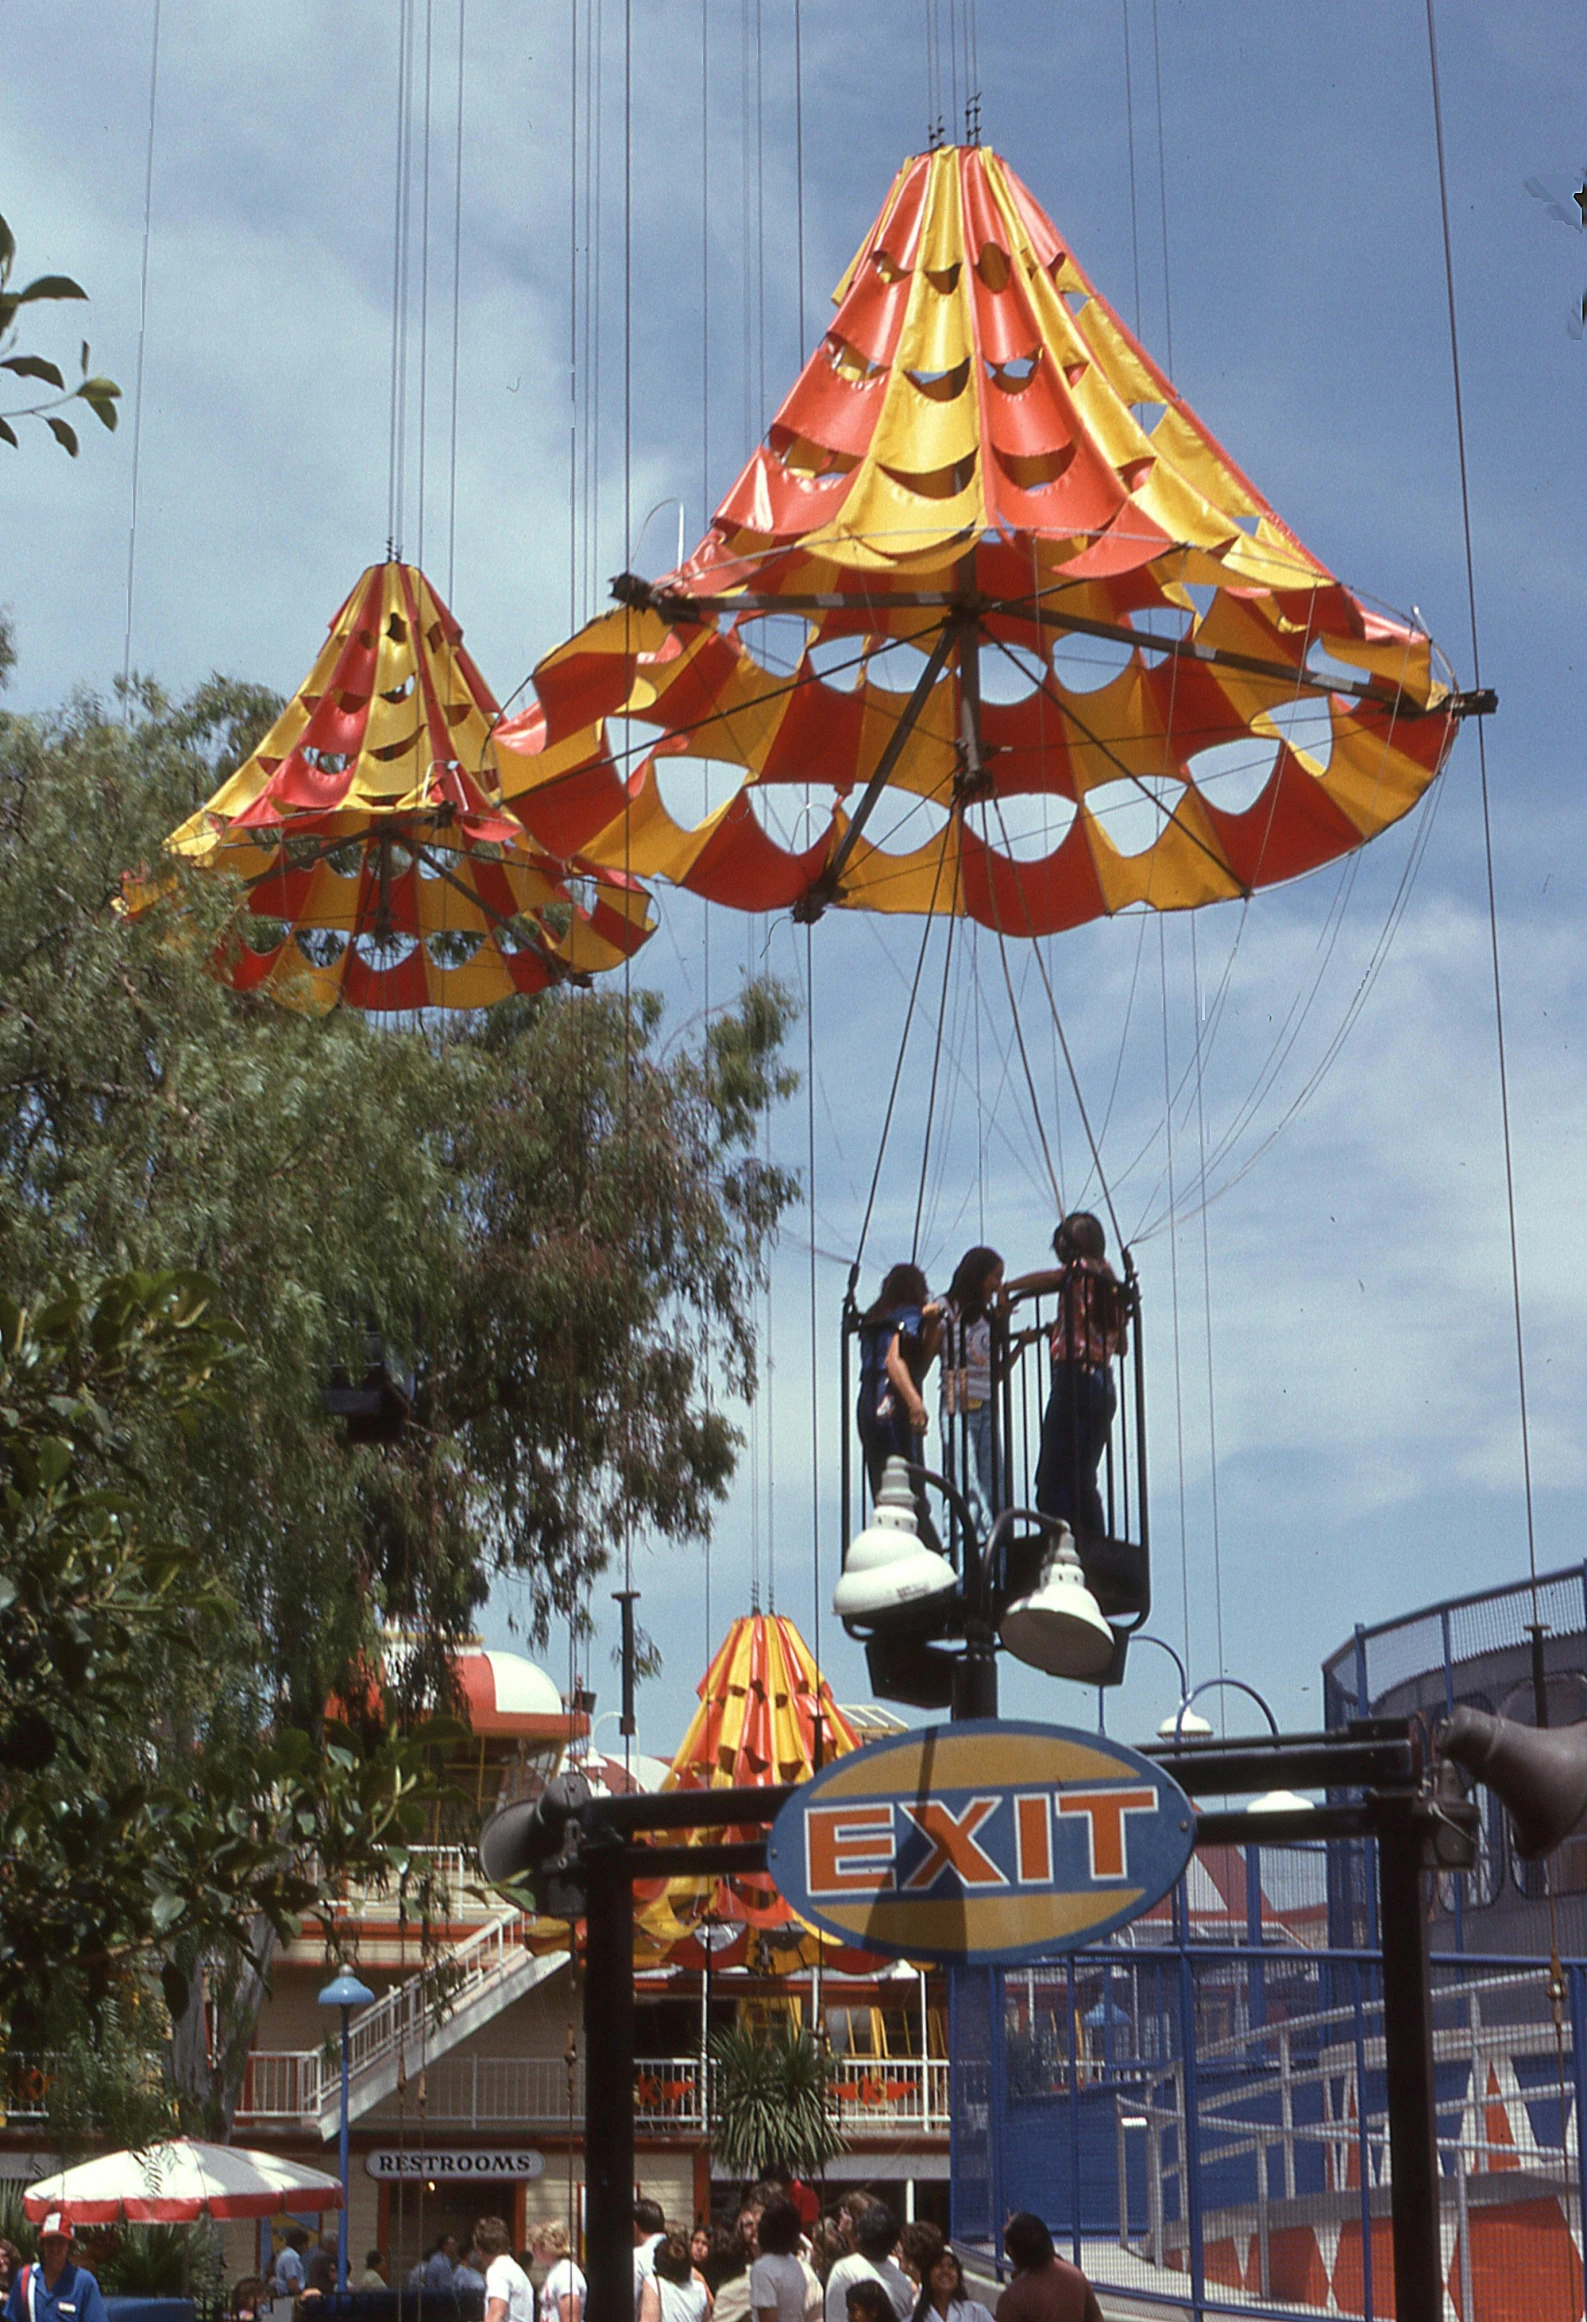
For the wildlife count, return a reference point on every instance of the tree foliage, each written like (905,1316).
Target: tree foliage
(771,2101)
(555,1223)
(98,394)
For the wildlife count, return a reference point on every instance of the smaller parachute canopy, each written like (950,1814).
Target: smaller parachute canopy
(378,867)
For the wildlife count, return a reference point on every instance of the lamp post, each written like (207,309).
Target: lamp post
(1183,1723)
(346,1993)
(1271,1801)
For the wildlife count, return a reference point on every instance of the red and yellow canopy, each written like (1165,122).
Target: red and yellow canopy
(766,1716)
(990,624)
(378,867)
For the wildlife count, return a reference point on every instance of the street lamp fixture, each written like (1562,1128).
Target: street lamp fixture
(346,1993)
(1271,1801)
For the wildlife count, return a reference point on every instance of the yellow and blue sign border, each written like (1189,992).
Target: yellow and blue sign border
(982,1842)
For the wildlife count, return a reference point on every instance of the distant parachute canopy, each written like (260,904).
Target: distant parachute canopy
(1000,599)
(379,870)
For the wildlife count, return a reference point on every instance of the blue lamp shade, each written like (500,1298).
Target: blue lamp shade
(346,1992)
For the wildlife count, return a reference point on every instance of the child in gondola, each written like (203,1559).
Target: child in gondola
(1088,1333)
(967,1371)
(899,1336)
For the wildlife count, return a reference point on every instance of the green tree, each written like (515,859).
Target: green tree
(99,395)
(555,1222)
(771,2100)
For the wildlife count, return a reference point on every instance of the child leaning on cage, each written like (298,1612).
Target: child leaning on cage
(1088,1332)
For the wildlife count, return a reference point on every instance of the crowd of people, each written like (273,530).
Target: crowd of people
(905,1332)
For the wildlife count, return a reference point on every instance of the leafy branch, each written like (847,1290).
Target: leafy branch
(93,389)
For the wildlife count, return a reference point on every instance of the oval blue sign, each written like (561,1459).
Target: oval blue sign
(981,1841)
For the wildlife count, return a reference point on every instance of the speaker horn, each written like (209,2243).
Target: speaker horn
(1539,1774)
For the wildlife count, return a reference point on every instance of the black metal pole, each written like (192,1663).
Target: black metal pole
(609,2084)
(1408,2065)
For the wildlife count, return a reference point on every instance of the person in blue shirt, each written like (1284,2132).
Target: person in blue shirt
(55,2290)
(288,2277)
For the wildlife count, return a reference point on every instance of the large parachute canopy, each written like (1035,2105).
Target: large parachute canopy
(990,624)
(378,868)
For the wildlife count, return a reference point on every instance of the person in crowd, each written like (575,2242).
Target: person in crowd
(1045,2288)
(509,2294)
(943,2297)
(782,2286)
(10,2266)
(867,2301)
(967,1373)
(649,2226)
(468,2280)
(828,2242)
(1089,1332)
(671,2292)
(727,2271)
(780,2178)
(375,2275)
(250,2298)
(747,2224)
(562,2293)
(56,2289)
(319,2267)
(288,2276)
(919,2246)
(700,2248)
(875,2239)
(898,1344)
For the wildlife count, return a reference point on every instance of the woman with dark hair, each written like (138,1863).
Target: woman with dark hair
(967,1370)
(898,1344)
(943,2297)
(1045,2288)
(673,2293)
(782,2288)
(1090,1330)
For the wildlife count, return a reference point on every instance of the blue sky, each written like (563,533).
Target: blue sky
(1355,1266)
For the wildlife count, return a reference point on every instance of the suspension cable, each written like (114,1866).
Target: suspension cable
(1206,1284)
(137,389)
(1487,825)
(457,308)
(898,1073)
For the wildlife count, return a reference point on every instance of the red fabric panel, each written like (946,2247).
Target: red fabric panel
(1003,323)
(983,220)
(872,315)
(1045,244)
(333,728)
(899,232)
(1327,607)
(1085,498)
(568,813)
(402,986)
(828,409)
(1039,417)
(299,784)
(1130,540)
(1292,827)
(742,866)
(707,679)
(819,737)
(1032,754)
(769,499)
(576,691)
(1040,898)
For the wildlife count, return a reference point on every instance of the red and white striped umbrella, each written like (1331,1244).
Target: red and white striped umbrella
(178,2181)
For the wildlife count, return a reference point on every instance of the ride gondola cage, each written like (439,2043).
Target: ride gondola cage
(909,1661)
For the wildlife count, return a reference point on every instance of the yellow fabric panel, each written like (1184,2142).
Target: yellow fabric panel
(648,843)
(1170,500)
(1267,561)
(1126,723)
(862,254)
(930,756)
(1182,867)
(927,878)
(1370,779)
(1175,438)
(920,433)
(1409,667)
(1131,380)
(894,523)
(478,983)
(524,771)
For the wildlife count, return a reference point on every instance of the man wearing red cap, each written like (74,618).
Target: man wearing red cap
(55,2290)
